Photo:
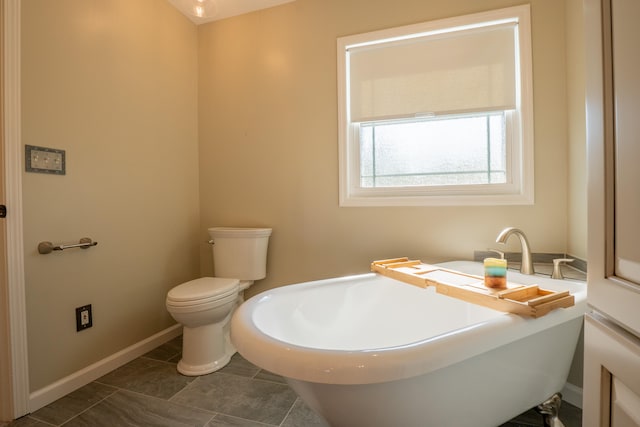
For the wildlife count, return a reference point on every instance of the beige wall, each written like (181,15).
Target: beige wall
(269,151)
(577,191)
(114,84)
(577,167)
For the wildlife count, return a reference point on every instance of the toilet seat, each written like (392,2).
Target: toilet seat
(202,291)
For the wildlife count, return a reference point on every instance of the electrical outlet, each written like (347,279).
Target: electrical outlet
(84,319)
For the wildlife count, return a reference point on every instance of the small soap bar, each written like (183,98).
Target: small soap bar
(495,273)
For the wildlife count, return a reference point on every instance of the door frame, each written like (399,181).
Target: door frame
(612,326)
(16,362)
(608,293)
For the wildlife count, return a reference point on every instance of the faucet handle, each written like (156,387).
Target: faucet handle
(497,252)
(557,264)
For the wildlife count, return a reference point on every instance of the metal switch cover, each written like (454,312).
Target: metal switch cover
(45,160)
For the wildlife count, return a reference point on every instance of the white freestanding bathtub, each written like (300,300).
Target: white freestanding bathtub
(370,351)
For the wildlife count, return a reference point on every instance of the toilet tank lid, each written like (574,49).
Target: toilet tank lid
(239,232)
(203,287)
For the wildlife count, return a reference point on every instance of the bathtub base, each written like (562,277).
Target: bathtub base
(550,410)
(485,390)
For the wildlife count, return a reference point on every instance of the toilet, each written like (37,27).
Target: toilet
(204,306)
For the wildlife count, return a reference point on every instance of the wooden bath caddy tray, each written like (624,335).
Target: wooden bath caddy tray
(527,300)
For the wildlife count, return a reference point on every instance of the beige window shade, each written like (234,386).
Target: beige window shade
(457,72)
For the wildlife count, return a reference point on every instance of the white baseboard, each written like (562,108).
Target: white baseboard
(66,385)
(572,394)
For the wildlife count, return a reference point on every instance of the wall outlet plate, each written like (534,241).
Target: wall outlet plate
(44,160)
(84,318)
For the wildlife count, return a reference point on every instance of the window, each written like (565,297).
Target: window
(438,113)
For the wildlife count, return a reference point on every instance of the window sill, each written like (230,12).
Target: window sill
(438,200)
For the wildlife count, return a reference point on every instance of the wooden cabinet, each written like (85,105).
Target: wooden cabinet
(612,328)
(612,377)
(625,56)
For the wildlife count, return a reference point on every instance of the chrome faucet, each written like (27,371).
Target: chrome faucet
(526,265)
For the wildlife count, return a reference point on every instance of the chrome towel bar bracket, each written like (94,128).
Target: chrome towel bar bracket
(48,247)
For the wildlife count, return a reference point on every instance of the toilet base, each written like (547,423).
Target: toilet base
(197,370)
(205,349)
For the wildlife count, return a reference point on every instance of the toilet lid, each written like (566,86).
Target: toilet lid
(203,288)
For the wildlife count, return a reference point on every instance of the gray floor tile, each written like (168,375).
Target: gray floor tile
(25,422)
(131,409)
(175,359)
(269,376)
(147,376)
(255,400)
(528,419)
(302,415)
(241,366)
(167,351)
(227,421)
(570,416)
(238,365)
(72,404)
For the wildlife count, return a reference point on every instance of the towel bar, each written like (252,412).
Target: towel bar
(48,247)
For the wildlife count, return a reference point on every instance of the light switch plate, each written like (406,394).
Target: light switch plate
(44,160)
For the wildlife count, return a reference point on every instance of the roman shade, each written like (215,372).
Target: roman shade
(461,71)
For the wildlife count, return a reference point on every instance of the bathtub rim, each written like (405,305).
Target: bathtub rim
(369,366)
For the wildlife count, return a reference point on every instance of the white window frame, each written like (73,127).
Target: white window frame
(519,189)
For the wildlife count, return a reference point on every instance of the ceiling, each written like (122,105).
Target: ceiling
(220,9)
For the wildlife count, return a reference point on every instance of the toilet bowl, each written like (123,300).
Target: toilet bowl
(204,306)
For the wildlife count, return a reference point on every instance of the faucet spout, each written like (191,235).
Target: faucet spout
(526,266)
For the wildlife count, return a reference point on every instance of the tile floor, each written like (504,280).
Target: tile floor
(149,392)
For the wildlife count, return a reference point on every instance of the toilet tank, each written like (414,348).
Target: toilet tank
(240,253)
